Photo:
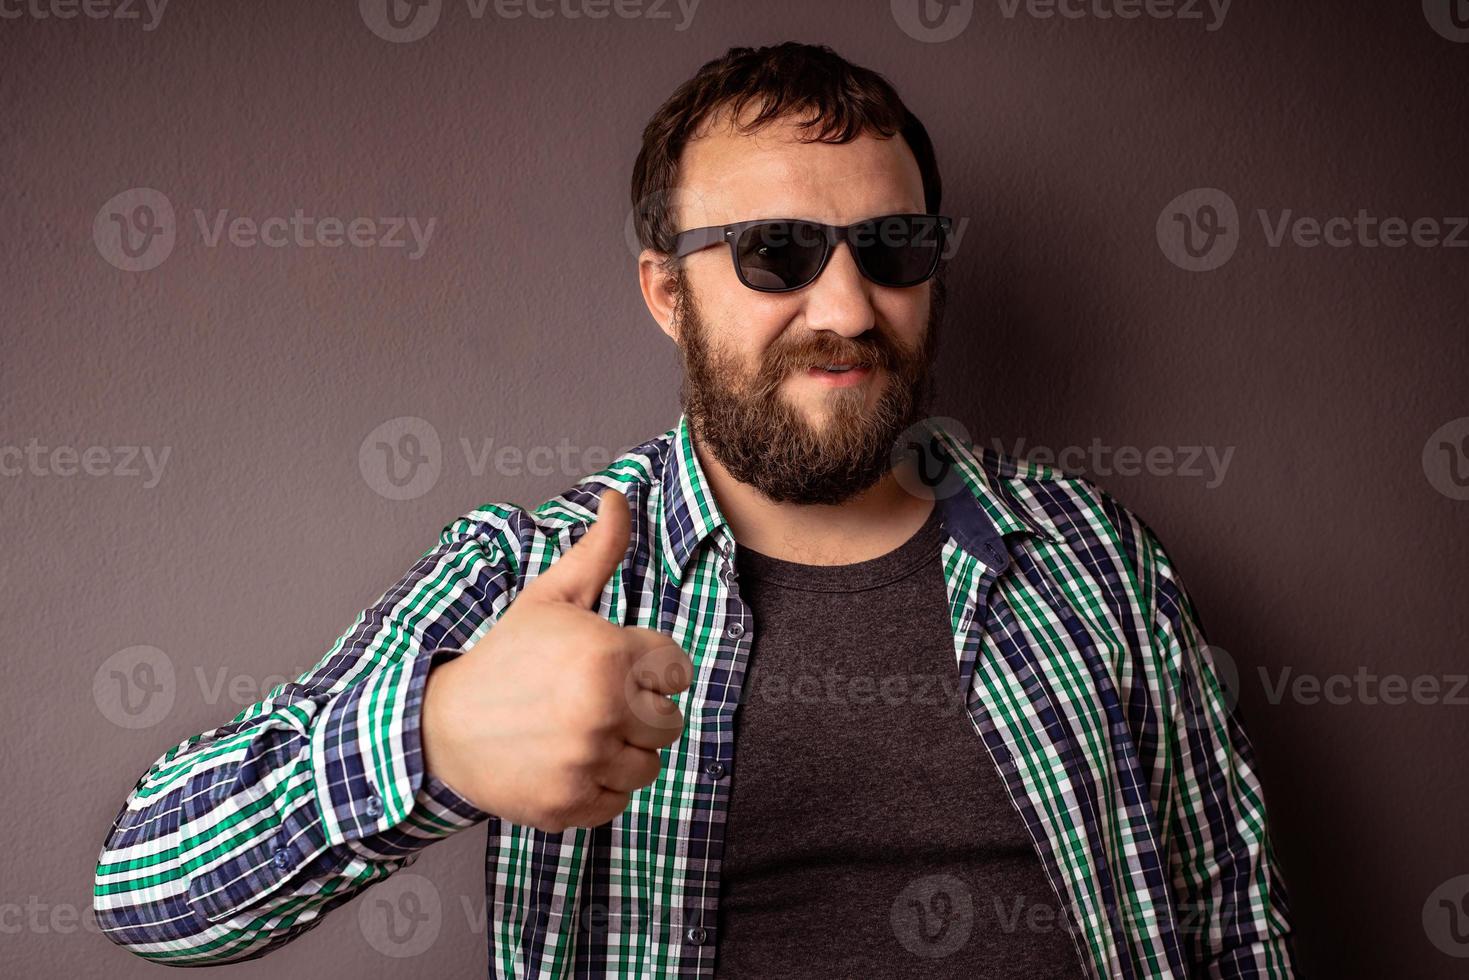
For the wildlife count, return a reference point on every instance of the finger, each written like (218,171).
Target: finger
(581,572)
(632,769)
(608,806)
(653,720)
(665,668)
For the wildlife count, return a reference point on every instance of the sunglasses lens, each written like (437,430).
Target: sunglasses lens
(898,250)
(780,255)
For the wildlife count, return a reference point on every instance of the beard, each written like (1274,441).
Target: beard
(766,442)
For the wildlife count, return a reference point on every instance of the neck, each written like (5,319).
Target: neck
(867,525)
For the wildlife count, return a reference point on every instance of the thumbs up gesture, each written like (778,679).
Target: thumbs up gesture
(555,717)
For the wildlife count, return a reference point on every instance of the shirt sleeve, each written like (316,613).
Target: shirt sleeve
(238,840)
(1231,897)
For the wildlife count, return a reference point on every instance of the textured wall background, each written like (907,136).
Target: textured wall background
(1327,537)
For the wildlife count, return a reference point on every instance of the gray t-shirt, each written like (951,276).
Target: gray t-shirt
(869,834)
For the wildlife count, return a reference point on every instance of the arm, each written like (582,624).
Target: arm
(242,838)
(1231,898)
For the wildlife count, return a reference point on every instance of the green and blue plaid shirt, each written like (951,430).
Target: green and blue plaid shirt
(1088,680)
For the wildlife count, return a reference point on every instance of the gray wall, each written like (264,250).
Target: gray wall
(1332,544)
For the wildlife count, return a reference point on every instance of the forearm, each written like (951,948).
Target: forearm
(240,839)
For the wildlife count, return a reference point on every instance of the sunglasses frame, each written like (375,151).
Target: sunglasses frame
(697,239)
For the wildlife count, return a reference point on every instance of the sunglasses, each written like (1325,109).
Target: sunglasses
(777,255)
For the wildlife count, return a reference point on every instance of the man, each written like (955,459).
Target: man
(805,686)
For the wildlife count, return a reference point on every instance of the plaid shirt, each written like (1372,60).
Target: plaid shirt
(1087,677)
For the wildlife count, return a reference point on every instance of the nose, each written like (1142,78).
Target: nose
(840,299)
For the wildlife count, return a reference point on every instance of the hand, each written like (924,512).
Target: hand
(555,717)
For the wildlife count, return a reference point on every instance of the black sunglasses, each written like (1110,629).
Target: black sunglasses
(777,255)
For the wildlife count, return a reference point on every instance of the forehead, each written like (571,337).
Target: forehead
(726,176)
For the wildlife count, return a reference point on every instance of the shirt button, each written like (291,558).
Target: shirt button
(727,574)
(281,858)
(697,935)
(373,807)
(735,628)
(714,770)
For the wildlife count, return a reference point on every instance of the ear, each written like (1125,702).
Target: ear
(657,290)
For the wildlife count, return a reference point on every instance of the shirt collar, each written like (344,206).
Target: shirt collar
(979,511)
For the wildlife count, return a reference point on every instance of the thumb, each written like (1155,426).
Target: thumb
(579,575)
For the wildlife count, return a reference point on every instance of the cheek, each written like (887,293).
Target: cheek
(745,332)
(907,316)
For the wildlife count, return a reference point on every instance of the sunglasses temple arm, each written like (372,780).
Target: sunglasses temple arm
(694,239)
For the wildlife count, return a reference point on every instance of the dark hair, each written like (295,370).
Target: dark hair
(839,102)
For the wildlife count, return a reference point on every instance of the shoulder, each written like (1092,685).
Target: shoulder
(1098,529)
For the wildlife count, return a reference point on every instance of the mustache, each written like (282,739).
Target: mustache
(874,352)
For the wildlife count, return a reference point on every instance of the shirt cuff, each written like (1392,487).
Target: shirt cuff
(375,795)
